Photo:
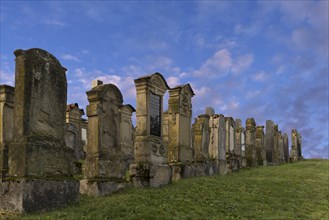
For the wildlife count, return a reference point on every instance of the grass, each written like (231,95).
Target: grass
(291,191)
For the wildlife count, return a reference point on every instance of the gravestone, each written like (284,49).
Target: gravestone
(201,136)
(40,165)
(275,152)
(127,134)
(260,146)
(296,146)
(269,140)
(250,142)
(105,165)
(6,125)
(217,142)
(281,150)
(243,148)
(179,122)
(238,141)
(150,167)
(230,144)
(286,147)
(73,117)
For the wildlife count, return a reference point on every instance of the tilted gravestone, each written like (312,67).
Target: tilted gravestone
(6,125)
(40,165)
(201,137)
(109,134)
(250,142)
(150,167)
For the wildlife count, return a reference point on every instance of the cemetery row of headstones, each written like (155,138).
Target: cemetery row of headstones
(45,143)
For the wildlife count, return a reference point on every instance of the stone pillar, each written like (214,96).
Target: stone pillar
(269,140)
(179,121)
(150,166)
(6,125)
(260,146)
(108,148)
(286,147)
(250,142)
(217,142)
(73,117)
(41,167)
(232,159)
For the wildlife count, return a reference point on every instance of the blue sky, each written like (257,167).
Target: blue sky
(260,59)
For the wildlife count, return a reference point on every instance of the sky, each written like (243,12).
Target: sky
(260,59)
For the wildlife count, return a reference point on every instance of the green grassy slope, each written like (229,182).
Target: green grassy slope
(291,191)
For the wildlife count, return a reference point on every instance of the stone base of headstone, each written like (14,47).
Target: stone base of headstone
(243,162)
(41,158)
(202,169)
(27,195)
(234,165)
(150,175)
(223,167)
(100,188)
(188,170)
(176,171)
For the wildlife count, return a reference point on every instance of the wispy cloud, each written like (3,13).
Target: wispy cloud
(70,57)
(260,76)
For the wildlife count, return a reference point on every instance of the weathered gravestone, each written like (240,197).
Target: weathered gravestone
(110,141)
(150,167)
(286,147)
(280,150)
(250,142)
(6,125)
(179,118)
(40,165)
(201,138)
(179,129)
(260,146)
(217,149)
(74,120)
(276,152)
(296,146)
(230,144)
(269,141)
(238,141)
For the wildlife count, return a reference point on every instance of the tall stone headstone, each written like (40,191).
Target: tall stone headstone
(286,147)
(281,150)
(296,146)
(231,156)
(276,151)
(150,166)
(260,146)
(179,122)
(73,117)
(40,165)
(127,134)
(250,142)
(6,125)
(238,141)
(243,148)
(105,164)
(217,149)
(269,140)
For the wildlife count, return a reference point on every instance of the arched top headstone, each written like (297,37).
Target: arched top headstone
(154,80)
(104,92)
